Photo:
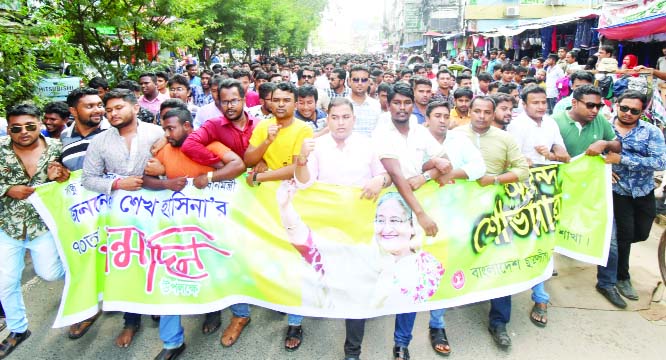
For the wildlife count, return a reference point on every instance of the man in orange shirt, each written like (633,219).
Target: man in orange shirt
(177,125)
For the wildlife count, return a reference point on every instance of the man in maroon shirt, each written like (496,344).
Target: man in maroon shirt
(233,129)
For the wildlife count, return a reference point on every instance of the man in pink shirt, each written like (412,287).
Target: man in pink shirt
(341,157)
(151,98)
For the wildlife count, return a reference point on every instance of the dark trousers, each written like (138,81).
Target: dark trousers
(132,319)
(633,218)
(355,328)
(500,311)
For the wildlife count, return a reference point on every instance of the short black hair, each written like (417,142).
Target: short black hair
(340,101)
(633,94)
(23,109)
(462,77)
(151,75)
(531,89)
(463,92)
(305,91)
(57,107)
(483,98)
(402,89)
(435,104)
(404,72)
(266,89)
(123,94)
(507,88)
(419,80)
(359,68)
(443,71)
(183,115)
(582,75)
(232,83)
(586,90)
(501,97)
(521,70)
(76,95)
(607,48)
(383,87)
(98,82)
(180,80)
(128,85)
(484,76)
(241,73)
(508,67)
(189,66)
(162,75)
(173,103)
(342,74)
(286,86)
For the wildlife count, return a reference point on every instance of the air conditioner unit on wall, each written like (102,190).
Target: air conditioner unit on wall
(512,11)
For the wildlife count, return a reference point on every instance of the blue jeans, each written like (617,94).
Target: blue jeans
(500,311)
(294,320)
(171,331)
(240,310)
(607,275)
(404,323)
(539,294)
(437,319)
(47,265)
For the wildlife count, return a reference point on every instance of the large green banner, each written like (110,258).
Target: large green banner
(321,251)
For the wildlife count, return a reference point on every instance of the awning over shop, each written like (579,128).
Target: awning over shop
(650,25)
(416,43)
(432,33)
(542,23)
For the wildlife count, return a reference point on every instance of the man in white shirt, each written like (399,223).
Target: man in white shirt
(366,109)
(553,73)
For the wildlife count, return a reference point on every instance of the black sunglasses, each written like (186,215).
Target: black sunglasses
(633,111)
(18,128)
(591,105)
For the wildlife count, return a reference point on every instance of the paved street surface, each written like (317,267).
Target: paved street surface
(571,333)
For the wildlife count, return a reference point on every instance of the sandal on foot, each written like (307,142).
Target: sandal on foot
(294,332)
(438,338)
(77,330)
(233,331)
(211,323)
(400,353)
(126,336)
(11,342)
(538,316)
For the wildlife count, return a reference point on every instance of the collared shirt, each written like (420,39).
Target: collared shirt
(332,94)
(411,150)
(353,165)
(457,119)
(108,155)
(222,130)
(153,105)
(366,114)
(420,117)
(19,218)
(74,145)
(528,134)
(578,138)
(205,113)
(643,153)
(563,105)
(464,155)
(441,97)
(499,150)
(553,74)
(317,124)
(200,98)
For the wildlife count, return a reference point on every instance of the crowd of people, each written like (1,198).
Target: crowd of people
(347,120)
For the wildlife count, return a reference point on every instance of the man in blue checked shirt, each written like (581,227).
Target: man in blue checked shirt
(643,153)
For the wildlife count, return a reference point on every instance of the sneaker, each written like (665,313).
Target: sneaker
(501,336)
(625,288)
(613,296)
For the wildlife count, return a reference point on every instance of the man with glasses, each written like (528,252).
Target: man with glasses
(366,109)
(337,84)
(585,130)
(179,88)
(28,160)
(643,153)
(307,75)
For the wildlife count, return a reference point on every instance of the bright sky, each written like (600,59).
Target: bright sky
(349,25)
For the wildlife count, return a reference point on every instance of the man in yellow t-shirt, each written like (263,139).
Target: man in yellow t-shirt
(277,141)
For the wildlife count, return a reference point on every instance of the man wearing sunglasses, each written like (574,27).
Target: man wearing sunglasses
(585,130)
(28,159)
(643,153)
(307,76)
(366,109)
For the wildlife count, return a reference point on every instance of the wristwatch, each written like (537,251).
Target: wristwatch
(210,176)
(497,182)
(426,176)
(254,179)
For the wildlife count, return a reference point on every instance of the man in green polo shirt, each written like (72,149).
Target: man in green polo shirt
(585,130)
